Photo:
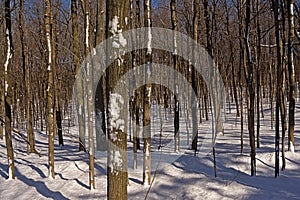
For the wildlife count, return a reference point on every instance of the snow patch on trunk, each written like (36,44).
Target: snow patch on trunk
(292,148)
(116,121)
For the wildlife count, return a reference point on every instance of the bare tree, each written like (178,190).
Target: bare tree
(22,27)
(50,89)
(116,14)
(196,6)
(291,68)
(79,88)
(8,91)
(250,87)
(176,67)
(147,98)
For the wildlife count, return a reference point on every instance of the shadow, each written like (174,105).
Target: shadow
(40,187)
(136,181)
(75,179)
(30,164)
(100,169)
(3,169)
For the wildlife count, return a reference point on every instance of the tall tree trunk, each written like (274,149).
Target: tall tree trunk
(147,98)
(196,6)
(117,11)
(292,83)
(278,43)
(176,67)
(241,63)
(79,87)
(89,90)
(8,91)
(50,89)
(250,88)
(22,27)
(258,61)
(101,141)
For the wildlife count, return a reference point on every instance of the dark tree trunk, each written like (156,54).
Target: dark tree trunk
(8,91)
(250,88)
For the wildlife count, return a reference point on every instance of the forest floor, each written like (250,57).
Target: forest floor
(177,175)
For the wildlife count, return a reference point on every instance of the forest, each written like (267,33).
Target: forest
(149,99)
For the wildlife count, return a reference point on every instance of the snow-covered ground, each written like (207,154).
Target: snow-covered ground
(176,175)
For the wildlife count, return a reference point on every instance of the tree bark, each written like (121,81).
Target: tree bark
(275,7)
(147,98)
(50,89)
(176,67)
(292,83)
(79,87)
(8,91)
(116,15)
(250,88)
(196,5)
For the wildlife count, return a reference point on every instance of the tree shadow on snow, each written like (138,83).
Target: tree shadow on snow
(40,187)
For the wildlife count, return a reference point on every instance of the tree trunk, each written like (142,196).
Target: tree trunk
(175,65)
(241,63)
(278,43)
(117,175)
(8,91)
(30,134)
(89,90)
(59,125)
(196,5)
(147,99)
(258,60)
(292,83)
(79,87)
(250,88)
(50,90)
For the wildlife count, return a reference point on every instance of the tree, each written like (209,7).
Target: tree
(147,99)
(117,176)
(8,91)
(176,67)
(89,94)
(79,88)
(250,88)
(50,89)
(196,5)
(291,68)
(26,71)
(278,93)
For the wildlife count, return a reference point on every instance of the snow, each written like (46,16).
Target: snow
(115,106)
(292,148)
(8,55)
(122,40)
(115,161)
(178,176)
(119,41)
(114,25)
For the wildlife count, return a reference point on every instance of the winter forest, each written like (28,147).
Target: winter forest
(149,99)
